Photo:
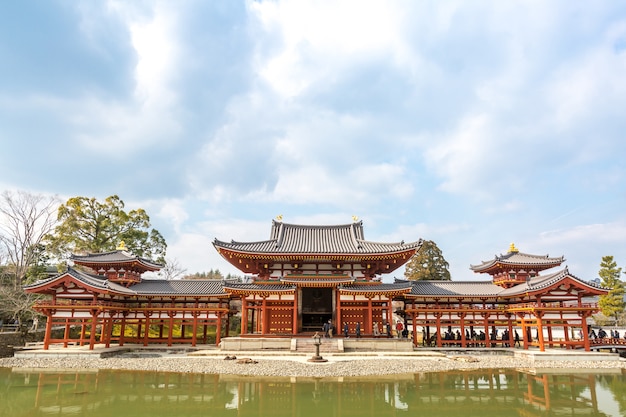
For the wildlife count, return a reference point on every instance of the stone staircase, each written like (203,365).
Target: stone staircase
(307,345)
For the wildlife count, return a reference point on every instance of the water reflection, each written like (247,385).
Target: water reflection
(471,393)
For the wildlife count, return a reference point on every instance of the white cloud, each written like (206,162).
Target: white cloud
(320,40)
(151,117)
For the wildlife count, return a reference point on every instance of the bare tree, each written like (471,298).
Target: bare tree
(15,304)
(172,269)
(25,219)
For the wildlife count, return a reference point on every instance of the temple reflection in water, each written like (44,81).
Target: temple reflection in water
(477,392)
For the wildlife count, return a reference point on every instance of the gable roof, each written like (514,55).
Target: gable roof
(96,282)
(302,239)
(518,259)
(114,257)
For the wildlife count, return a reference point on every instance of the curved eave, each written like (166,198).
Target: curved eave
(116,257)
(49,286)
(135,264)
(543,289)
(238,258)
(288,256)
(512,260)
(259,291)
(374,292)
(317,282)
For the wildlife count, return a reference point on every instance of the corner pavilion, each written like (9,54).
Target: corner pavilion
(304,276)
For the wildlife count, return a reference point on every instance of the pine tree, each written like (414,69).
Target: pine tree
(428,264)
(611,304)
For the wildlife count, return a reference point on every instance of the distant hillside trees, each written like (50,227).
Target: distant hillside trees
(211,274)
(428,264)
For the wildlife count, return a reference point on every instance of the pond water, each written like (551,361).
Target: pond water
(482,393)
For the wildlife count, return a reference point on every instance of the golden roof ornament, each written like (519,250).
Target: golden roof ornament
(279,217)
(355,218)
(121,246)
(513,249)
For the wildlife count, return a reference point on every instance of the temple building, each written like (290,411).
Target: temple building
(305,276)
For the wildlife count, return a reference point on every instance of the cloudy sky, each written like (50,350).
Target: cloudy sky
(472,124)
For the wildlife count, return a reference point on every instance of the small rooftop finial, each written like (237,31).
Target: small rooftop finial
(279,217)
(355,218)
(121,246)
(513,249)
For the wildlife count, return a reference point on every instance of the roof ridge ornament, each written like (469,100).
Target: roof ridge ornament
(513,249)
(121,246)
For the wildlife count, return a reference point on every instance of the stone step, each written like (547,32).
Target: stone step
(308,345)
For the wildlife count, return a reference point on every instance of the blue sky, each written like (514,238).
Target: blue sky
(472,124)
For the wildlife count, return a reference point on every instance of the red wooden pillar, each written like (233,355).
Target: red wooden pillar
(66,332)
(83,330)
(586,342)
(438,330)
(146,334)
(122,329)
(462,325)
(550,338)
(244,315)
(294,325)
(170,331)
(525,343)
(194,328)
(390,312)
(542,347)
(265,315)
(48,335)
(94,323)
(369,325)
(486,325)
(339,318)
(109,330)
(139,326)
(218,330)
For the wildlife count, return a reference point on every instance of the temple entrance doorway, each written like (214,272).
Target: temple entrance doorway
(317,308)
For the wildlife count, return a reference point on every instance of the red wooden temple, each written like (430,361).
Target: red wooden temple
(304,276)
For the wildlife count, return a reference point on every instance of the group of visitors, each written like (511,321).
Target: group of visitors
(602,334)
(401,330)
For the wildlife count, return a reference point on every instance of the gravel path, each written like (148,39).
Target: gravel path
(299,367)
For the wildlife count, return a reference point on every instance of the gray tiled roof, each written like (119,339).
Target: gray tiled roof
(544,281)
(260,287)
(518,258)
(317,278)
(299,239)
(396,286)
(455,288)
(96,281)
(179,287)
(116,256)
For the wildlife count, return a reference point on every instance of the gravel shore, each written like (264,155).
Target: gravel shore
(345,366)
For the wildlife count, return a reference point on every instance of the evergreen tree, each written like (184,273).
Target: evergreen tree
(427,264)
(93,226)
(611,304)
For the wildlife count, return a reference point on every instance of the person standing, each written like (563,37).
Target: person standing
(346,330)
(358,329)
(330,329)
(325,328)
(375,330)
(399,329)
